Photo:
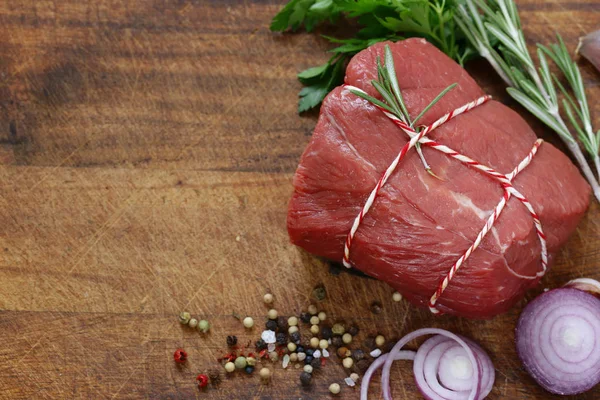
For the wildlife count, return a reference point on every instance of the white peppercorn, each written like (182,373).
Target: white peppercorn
(265,373)
(291,347)
(315,320)
(322,316)
(348,362)
(314,329)
(334,388)
(248,322)
(323,344)
(397,296)
(292,329)
(314,342)
(308,368)
(292,321)
(379,340)
(312,309)
(347,338)
(272,314)
(193,323)
(268,299)
(230,367)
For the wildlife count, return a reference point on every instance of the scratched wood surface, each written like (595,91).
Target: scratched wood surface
(146,155)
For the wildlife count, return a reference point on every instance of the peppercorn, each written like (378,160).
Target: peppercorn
(370,343)
(376,307)
(322,316)
(202,381)
(265,373)
(379,340)
(230,367)
(231,340)
(249,369)
(180,356)
(308,359)
(292,329)
(342,351)
(251,361)
(337,341)
(215,376)
(248,322)
(315,363)
(260,344)
(347,338)
(320,293)
(193,323)
(203,326)
(326,332)
(273,356)
(272,314)
(310,352)
(292,321)
(348,362)
(305,317)
(184,317)
(305,378)
(300,349)
(301,356)
(240,362)
(323,344)
(334,388)
(314,342)
(358,354)
(308,368)
(338,329)
(281,338)
(354,376)
(295,337)
(294,357)
(282,323)
(268,298)
(314,329)
(271,325)
(291,347)
(353,330)
(312,309)
(363,365)
(314,320)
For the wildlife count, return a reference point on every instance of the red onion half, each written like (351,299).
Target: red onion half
(443,367)
(558,340)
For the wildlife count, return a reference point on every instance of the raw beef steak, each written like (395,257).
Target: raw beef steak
(419,225)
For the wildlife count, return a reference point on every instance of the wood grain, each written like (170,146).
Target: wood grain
(146,155)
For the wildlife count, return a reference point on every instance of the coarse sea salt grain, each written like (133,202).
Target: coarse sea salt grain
(349,382)
(286,360)
(325,353)
(268,336)
(375,353)
(271,347)
(317,354)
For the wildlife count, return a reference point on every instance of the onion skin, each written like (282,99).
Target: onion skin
(558,340)
(588,285)
(589,48)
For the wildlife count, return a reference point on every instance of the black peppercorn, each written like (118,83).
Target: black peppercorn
(299,349)
(358,354)
(376,307)
(326,333)
(305,378)
(310,352)
(320,293)
(305,317)
(353,330)
(214,376)
(282,323)
(231,340)
(281,338)
(337,341)
(370,343)
(308,359)
(249,369)
(271,325)
(315,363)
(295,337)
(363,365)
(260,344)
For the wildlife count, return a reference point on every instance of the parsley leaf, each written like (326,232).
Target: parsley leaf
(320,80)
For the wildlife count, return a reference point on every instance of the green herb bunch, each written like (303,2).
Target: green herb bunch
(378,20)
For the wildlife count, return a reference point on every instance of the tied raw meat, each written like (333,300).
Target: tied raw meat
(420,225)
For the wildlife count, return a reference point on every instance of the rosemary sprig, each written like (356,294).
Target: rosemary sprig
(393,102)
(534,88)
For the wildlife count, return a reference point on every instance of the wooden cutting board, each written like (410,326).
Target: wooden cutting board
(146,156)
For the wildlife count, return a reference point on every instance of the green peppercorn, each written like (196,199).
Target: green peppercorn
(203,326)
(338,329)
(240,362)
(320,293)
(184,317)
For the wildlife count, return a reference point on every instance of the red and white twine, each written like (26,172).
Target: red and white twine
(504,180)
